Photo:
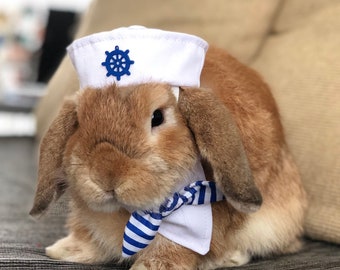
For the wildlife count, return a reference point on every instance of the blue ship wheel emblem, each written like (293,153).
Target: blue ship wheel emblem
(117,63)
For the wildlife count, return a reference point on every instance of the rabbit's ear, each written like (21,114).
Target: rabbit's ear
(219,143)
(51,175)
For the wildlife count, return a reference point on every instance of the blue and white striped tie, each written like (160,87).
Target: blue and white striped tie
(142,226)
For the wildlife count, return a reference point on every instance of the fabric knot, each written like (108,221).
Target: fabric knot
(143,226)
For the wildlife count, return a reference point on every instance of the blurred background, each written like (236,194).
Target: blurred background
(33,37)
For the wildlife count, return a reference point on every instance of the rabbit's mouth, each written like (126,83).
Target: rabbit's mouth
(108,203)
(95,197)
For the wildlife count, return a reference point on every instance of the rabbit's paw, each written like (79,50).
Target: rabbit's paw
(73,250)
(138,267)
(163,254)
(230,259)
(170,262)
(157,265)
(238,258)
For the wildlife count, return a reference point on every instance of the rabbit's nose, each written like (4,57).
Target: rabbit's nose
(109,167)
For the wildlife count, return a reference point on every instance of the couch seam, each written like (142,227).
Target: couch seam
(272,22)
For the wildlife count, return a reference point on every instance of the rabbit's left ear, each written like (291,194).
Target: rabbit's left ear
(219,143)
(51,175)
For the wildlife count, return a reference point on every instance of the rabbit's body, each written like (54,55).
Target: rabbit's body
(277,226)
(109,148)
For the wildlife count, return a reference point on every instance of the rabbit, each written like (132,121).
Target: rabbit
(105,148)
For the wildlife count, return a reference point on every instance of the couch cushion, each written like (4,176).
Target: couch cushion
(301,61)
(228,24)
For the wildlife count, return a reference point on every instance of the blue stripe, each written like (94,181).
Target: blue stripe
(173,204)
(201,195)
(155,215)
(184,200)
(213,191)
(134,242)
(128,252)
(145,222)
(192,191)
(199,183)
(139,232)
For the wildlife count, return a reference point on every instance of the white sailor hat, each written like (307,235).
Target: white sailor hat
(135,55)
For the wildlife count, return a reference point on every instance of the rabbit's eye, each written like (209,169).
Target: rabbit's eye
(157,118)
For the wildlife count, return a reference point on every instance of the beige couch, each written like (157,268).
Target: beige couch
(294,44)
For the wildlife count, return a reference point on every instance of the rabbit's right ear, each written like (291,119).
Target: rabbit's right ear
(220,144)
(51,175)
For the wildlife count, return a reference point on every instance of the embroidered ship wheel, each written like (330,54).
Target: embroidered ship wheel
(117,63)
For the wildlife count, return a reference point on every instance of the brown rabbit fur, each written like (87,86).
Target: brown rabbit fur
(101,147)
